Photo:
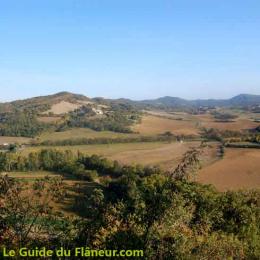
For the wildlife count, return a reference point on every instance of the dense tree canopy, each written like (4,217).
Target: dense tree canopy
(138,208)
(20,124)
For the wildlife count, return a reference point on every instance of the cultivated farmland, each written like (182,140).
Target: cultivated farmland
(166,155)
(240,168)
(151,125)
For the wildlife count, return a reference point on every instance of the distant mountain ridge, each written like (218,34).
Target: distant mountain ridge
(43,102)
(239,100)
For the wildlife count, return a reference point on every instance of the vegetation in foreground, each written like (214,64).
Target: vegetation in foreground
(133,208)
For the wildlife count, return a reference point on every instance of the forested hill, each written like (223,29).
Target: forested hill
(42,103)
(64,110)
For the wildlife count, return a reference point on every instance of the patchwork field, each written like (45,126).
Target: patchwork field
(151,125)
(240,168)
(239,124)
(157,122)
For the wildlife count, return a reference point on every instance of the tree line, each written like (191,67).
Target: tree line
(106,140)
(226,136)
(80,166)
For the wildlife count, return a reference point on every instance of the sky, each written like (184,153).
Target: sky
(136,49)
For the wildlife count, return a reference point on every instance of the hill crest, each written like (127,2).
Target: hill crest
(44,103)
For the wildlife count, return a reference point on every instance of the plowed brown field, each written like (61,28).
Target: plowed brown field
(240,168)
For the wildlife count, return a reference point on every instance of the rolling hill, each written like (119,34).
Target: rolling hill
(240,100)
(45,103)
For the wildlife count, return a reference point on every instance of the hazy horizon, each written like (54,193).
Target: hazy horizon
(105,97)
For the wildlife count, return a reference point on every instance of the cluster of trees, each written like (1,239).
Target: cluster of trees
(113,122)
(21,123)
(167,217)
(255,109)
(255,138)
(224,117)
(219,135)
(177,220)
(30,220)
(232,138)
(222,151)
(118,119)
(25,105)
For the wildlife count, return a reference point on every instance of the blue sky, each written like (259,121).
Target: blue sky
(132,48)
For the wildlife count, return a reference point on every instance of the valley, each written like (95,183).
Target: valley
(133,133)
(77,168)
(130,130)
